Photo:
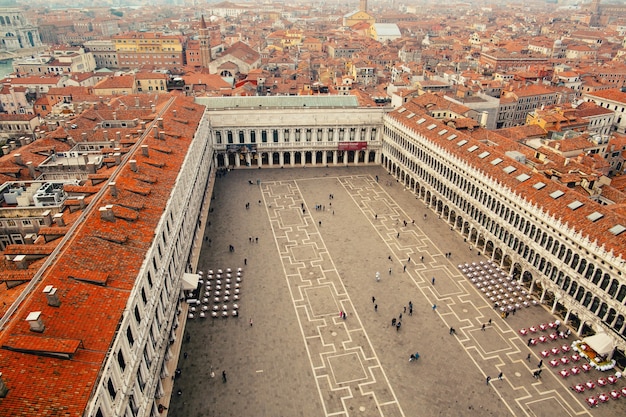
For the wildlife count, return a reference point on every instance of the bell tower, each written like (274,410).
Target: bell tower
(205,44)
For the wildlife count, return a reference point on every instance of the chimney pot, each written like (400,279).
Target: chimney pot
(155,129)
(81,201)
(105,134)
(133,165)
(84,136)
(162,135)
(160,122)
(118,158)
(35,322)
(144,150)
(18,158)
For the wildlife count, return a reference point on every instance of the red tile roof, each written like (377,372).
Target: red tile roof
(107,253)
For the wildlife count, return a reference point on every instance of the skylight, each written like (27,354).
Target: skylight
(575,204)
(431,127)
(442,132)
(401,110)
(617,229)
(420,121)
(484,155)
(496,161)
(472,148)
(556,194)
(509,169)
(461,142)
(539,186)
(595,216)
(452,137)
(522,177)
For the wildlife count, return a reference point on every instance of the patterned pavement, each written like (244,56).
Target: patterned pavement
(301,358)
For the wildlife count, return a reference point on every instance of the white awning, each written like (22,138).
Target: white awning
(601,343)
(190,281)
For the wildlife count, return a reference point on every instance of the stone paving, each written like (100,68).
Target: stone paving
(299,358)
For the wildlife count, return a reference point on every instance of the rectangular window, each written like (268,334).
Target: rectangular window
(253,136)
(129,336)
(275,135)
(241,136)
(137,314)
(111,389)
(121,361)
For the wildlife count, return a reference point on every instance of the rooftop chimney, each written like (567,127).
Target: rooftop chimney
(51,296)
(29,238)
(155,129)
(18,158)
(105,134)
(5,150)
(133,165)
(81,201)
(106,213)
(162,135)
(3,388)
(160,122)
(118,136)
(118,158)
(31,169)
(113,189)
(144,150)
(174,111)
(84,136)
(58,219)
(47,218)
(34,319)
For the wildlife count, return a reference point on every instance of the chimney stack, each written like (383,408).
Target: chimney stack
(29,238)
(106,213)
(31,169)
(81,201)
(113,189)
(3,388)
(51,296)
(5,150)
(105,134)
(34,320)
(84,136)
(118,158)
(18,158)
(47,218)
(160,122)
(175,112)
(162,135)
(144,150)
(58,219)
(118,136)
(155,129)
(133,165)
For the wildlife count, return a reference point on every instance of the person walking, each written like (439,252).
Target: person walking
(250,321)
(483,328)
(540,363)
(488,379)
(389,271)
(224,376)
(500,376)
(528,357)
(375,307)
(452,331)
(434,307)
(433,280)
(373,299)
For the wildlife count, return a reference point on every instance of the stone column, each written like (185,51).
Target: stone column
(345,158)
(281,159)
(334,157)
(237,160)
(324,156)
(292,159)
(313,158)
(248,159)
(303,158)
